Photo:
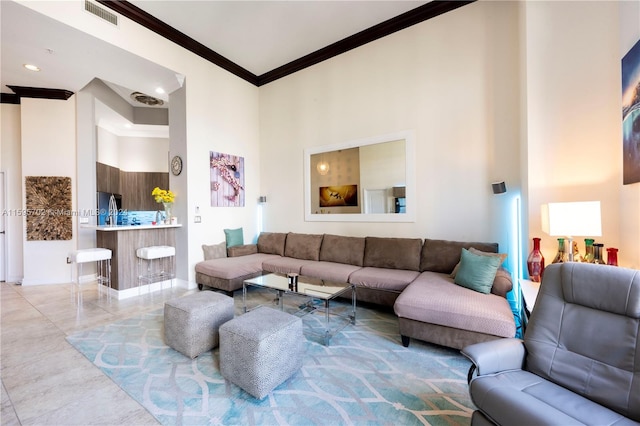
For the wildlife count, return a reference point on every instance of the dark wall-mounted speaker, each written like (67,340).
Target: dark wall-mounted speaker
(499,187)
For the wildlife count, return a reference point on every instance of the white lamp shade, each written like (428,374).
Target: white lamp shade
(576,219)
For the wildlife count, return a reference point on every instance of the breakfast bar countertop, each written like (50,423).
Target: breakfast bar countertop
(128,227)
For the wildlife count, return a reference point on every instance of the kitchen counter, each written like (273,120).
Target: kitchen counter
(128,227)
(124,241)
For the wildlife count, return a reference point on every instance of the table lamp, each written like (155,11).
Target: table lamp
(572,219)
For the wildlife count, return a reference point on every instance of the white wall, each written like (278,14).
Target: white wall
(574,119)
(138,154)
(48,149)
(133,154)
(11,164)
(383,165)
(222,116)
(107,147)
(452,79)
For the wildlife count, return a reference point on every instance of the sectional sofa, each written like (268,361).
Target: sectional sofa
(409,274)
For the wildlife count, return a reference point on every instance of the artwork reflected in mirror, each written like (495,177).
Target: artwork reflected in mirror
(364,181)
(339,196)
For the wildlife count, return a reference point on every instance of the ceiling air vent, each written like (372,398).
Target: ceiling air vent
(100,12)
(146,99)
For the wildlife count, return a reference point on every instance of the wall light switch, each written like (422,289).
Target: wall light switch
(84,220)
(197,219)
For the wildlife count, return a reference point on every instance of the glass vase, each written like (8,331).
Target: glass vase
(612,256)
(561,256)
(167,213)
(597,254)
(588,250)
(535,262)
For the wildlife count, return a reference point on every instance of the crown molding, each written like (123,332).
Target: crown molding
(400,22)
(9,98)
(40,93)
(390,26)
(152,23)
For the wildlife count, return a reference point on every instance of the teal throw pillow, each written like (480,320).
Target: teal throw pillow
(234,237)
(477,272)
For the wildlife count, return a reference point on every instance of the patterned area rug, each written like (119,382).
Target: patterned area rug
(364,377)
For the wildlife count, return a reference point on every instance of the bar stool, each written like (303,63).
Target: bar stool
(149,254)
(103,258)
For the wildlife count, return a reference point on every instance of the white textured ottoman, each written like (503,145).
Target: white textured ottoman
(191,322)
(261,349)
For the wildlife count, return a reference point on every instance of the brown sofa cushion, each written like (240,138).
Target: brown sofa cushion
(502,283)
(443,255)
(393,253)
(338,249)
(272,243)
(303,246)
(242,250)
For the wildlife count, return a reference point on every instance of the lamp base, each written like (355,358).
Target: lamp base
(570,250)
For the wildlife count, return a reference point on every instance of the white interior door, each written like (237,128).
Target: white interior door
(374,200)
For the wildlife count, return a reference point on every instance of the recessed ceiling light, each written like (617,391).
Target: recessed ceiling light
(31,67)
(160,90)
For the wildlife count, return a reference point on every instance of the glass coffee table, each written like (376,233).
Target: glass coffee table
(314,289)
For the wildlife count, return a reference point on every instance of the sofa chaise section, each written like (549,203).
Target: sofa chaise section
(243,262)
(228,273)
(435,309)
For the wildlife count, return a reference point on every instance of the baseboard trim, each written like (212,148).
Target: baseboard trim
(146,289)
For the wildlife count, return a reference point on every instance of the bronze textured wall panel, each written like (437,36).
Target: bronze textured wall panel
(48,208)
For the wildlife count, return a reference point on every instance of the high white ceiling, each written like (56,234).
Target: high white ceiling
(263,35)
(69,59)
(256,35)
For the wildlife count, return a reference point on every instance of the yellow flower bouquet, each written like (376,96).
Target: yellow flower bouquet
(163,195)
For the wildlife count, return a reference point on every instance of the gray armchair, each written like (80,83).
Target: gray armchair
(579,363)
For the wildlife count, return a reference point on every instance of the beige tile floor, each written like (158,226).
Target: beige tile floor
(45,381)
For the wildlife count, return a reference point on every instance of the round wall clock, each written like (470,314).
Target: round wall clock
(176,165)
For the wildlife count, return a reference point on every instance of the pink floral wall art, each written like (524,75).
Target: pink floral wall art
(227,180)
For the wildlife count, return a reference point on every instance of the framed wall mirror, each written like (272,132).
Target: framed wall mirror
(365,180)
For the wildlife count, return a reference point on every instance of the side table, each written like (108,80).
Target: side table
(530,293)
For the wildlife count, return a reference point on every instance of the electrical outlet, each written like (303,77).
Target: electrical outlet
(197,219)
